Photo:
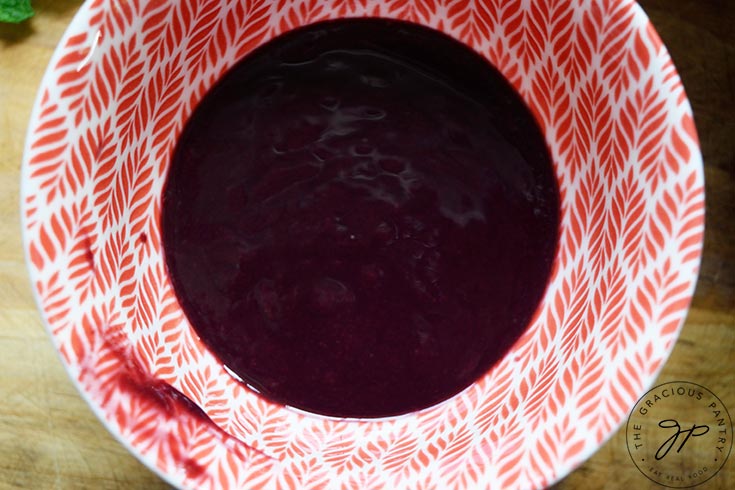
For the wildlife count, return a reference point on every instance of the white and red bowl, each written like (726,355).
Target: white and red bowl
(122,83)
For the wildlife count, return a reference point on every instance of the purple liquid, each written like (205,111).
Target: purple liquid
(360,218)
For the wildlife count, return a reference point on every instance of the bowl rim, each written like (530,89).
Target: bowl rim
(78,24)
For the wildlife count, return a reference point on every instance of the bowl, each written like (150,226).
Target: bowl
(120,87)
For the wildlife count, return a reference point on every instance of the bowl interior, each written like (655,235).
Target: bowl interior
(602,87)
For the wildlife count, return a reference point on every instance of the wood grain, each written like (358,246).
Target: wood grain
(50,439)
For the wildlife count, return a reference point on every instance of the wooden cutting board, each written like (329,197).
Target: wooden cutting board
(49,438)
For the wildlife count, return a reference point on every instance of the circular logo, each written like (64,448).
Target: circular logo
(679,434)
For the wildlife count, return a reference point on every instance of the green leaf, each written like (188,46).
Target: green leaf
(15,10)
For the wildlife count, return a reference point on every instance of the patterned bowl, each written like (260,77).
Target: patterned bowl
(121,84)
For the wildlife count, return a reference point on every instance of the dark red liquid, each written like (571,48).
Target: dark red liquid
(360,218)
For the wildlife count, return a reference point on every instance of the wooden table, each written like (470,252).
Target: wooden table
(50,439)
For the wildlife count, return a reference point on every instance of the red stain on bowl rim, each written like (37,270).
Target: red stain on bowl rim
(605,91)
